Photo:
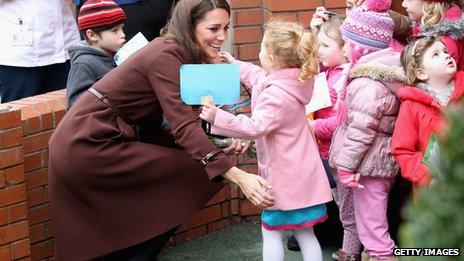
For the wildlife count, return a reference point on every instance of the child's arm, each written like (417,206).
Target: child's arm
(250,74)
(80,79)
(363,122)
(404,147)
(266,117)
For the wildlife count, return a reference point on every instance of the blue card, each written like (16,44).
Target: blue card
(220,81)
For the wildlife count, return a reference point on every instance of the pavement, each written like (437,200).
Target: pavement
(237,242)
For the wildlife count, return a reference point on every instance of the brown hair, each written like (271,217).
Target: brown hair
(433,13)
(293,46)
(185,15)
(412,57)
(331,28)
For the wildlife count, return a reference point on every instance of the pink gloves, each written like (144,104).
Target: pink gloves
(349,179)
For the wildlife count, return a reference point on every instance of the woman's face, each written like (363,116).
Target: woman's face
(414,8)
(211,32)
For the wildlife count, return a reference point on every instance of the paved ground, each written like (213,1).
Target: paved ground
(238,242)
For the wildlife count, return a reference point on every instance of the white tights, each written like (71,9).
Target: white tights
(273,247)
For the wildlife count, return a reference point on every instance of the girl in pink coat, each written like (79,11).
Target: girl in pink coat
(287,153)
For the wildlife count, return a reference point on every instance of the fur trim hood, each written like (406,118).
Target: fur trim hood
(452,26)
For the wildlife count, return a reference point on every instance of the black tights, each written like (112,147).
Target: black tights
(145,251)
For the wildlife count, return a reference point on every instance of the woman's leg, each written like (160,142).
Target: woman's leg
(145,251)
(273,246)
(309,244)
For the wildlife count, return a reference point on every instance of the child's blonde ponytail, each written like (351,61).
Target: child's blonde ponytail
(433,13)
(307,52)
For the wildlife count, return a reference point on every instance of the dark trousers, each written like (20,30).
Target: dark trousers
(145,251)
(20,82)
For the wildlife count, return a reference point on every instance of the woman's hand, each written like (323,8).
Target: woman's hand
(319,17)
(237,146)
(227,57)
(208,112)
(254,187)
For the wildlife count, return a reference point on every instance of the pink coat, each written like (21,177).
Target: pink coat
(362,143)
(287,152)
(326,120)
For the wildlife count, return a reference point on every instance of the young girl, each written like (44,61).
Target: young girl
(360,148)
(438,17)
(334,61)
(433,86)
(287,153)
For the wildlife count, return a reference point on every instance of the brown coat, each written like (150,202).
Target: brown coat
(109,191)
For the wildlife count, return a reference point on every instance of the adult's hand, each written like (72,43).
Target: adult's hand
(254,187)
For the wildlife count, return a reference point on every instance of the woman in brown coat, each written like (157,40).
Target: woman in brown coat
(116,198)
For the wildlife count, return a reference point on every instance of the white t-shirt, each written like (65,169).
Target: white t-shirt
(36,32)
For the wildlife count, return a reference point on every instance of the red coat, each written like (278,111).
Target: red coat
(419,116)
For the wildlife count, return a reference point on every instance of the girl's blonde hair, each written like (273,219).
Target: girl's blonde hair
(293,47)
(412,57)
(433,13)
(331,28)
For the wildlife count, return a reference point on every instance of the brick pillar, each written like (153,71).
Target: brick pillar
(14,232)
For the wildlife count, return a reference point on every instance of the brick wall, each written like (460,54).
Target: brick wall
(27,124)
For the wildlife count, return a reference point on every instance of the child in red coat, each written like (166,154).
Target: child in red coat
(434,84)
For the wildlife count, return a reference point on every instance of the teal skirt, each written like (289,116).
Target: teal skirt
(293,219)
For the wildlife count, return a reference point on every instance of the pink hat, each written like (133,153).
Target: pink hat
(368,28)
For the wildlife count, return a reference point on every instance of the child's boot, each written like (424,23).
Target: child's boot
(347,256)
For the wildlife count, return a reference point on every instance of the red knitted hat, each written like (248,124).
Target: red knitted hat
(99,13)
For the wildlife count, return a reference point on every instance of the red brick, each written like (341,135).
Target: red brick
(36,196)
(235,4)
(33,161)
(3,216)
(58,110)
(42,250)
(220,224)
(246,159)
(39,214)
(11,138)
(2,179)
(12,195)
(10,119)
(14,175)
(248,51)
(334,4)
(285,16)
(18,212)
(45,158)
(36,178)
(20,249)
(234,207)
(206,216)
(31,117)
(5,253)
(11,157)
(248,17)
(36,142)
(46,116)
(221,196)
(225,209)
(250,34)
(290,5)
(304,18)
(38,232)
(183,227)
(233,191)
(13,232)
(248,209)
(250,168)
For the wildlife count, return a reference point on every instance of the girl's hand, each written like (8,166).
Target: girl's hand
(253,186)
(319,17)
(227,57)
(349,179)
(208,112)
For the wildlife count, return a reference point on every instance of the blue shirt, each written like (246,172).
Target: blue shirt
(119,2)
